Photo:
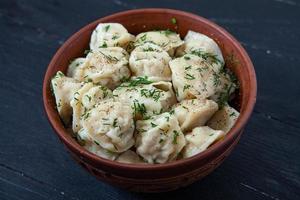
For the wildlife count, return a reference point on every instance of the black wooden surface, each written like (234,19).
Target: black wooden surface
(35,165)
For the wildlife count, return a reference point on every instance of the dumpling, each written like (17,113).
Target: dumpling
(84,100)
(110,35)
(224,119)
(159,139)
(146,99)
(203,46)
(94,147)
(166,39)
(63,89)
(110,124)
(194,112)
(200,139)
(193,76)
(107,66)
(129,157)
(74,65)
(150,60)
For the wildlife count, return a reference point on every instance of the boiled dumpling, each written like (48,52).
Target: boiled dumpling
(193,76)
(64,88)
(146,99)
(203,46)
(110,124)
(84,100)
(224,119)
(194,112)
(129,157)
(159,139)
(110,35)
(76,63)
(199,140)
(166,39)
(150,60)
(94,147)
(107,66)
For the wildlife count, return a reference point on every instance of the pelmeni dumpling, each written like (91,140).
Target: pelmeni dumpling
(129,157)
(110,35)
(106,66)
(193,76)
(76,63)
(224,119)
(150,60)
(200,139)
(110,124)
(64,88)
(146,99)
(94,147)
(194,112)
(159,139)
(203,46)
(166,39)
(84,100)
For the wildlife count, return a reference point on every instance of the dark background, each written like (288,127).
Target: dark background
(35,165)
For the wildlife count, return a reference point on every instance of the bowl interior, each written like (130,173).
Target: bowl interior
(142,20)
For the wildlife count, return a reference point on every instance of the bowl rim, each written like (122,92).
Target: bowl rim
(232,134)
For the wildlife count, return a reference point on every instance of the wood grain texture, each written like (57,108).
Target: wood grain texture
(34,164)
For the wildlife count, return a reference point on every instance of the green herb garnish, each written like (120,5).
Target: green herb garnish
(173,20)
(106,28)
(176,134)
(189,77)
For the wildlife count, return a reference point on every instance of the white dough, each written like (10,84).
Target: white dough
(94,147)
(194,112)
(64,88)
(84,100)
(152,61)
(205,47)
(200,139)
(166,39)
(129,157)
(111,125)
(159,139)
(110,35)
(146,99)
(224,119)
(193,76)
(107,66)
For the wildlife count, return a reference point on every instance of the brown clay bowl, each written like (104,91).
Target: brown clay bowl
(159,177)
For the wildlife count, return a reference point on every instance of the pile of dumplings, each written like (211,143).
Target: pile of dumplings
(151,98)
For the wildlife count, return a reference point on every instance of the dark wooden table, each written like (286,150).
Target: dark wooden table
(35,165)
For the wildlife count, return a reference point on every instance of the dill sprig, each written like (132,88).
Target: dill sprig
(206,56)
(153,93)
(142,80)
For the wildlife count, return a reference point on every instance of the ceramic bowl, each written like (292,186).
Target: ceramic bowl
(158,177)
